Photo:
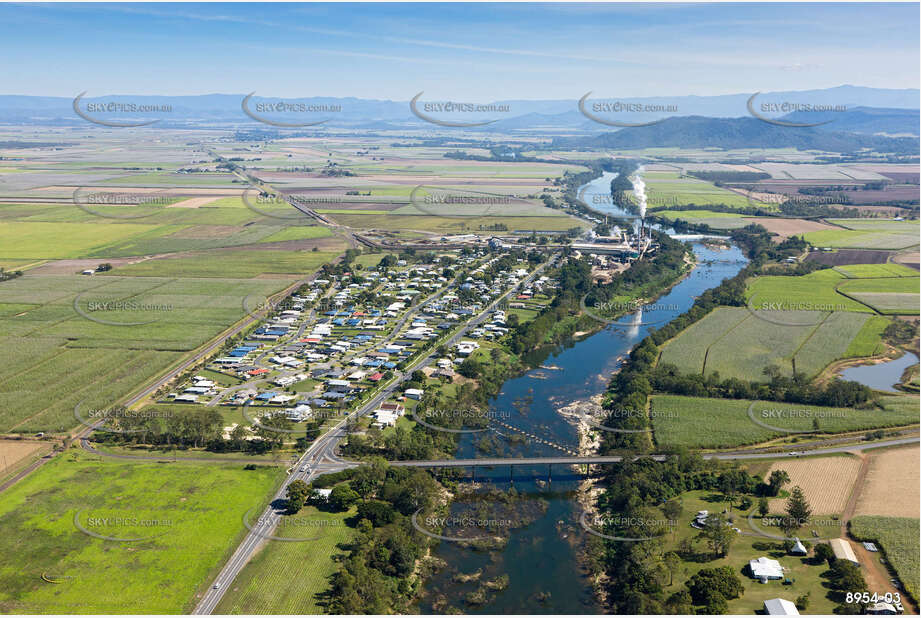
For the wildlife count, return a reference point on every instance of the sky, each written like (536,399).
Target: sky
(474,52)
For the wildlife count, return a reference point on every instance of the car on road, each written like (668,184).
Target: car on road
(304,468)
(216,586)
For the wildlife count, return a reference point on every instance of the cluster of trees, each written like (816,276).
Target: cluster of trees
(560,318)
(379,573)
(498,153)
(797,388)
(177,427)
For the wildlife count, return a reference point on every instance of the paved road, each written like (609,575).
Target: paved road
(598,459)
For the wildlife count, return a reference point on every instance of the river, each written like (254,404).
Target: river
(541,558)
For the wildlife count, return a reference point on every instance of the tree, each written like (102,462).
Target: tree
(777,480)
(824,553)
(680,604)
(342,497)
(798,508)
(297,494)
(672,561)
(673,509)
(720,580)
(378,513)
(802,602)
(368,479)
(763,506)
(731,483)
(845,575)
(717,533)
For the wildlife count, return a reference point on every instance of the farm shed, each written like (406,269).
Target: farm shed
(843,550)
(780,607)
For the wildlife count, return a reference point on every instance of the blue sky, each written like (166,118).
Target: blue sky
(477,52)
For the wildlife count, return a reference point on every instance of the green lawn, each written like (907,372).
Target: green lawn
(190,522)
(288,577)
(700,422)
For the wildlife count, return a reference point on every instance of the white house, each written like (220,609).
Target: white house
(764,569)
(413,393)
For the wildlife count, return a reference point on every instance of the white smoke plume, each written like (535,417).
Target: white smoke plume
(639,190)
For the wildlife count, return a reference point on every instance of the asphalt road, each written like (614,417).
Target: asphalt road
(598,459)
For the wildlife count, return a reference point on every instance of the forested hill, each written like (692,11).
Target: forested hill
(733,133)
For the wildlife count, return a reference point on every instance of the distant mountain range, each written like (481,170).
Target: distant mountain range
(870,120)
(697,121)
(730,133)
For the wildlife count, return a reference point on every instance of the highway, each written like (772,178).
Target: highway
(600,459)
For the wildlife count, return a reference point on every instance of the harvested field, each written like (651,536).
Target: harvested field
(70,267)
(193,202)
(910,259)
(166,191)
(784,228)
(843,257)
(826,481)
(12,452)
(891,485)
